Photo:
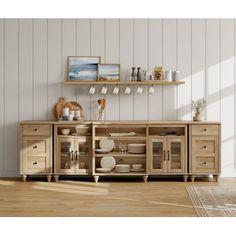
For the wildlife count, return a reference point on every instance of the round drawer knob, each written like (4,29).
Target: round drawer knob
(204,146)
(35,163)
(204,163)
(35,129)
(35,147)
(204,129)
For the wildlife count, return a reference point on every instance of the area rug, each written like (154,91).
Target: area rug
(219,201)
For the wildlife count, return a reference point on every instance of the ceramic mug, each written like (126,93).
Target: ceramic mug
(65,111)
(151,90)
(139,90)
(70,117)
(72,112)
(91,90)
(116,90)
(127,90)
(104,90)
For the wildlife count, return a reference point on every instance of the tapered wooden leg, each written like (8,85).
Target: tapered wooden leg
(56,177)
(96,178)
(216,177)
(185,177)
(145,178)
(24,177)
(192,178)
(49,177)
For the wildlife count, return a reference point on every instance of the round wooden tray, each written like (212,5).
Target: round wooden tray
(72,105)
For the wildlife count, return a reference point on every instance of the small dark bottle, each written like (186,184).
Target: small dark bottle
(139,75)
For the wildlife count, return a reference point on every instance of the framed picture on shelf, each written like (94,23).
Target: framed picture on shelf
(109,72)
(83,68)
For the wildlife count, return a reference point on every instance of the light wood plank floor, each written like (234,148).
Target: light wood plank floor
(106,198)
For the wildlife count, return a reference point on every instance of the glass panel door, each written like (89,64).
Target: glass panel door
(158,155)
(65,155)
(175,155)
(82,154)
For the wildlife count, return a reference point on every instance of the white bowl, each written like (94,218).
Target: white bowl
(122,168)
(137,148)
(137,166)
(81,129)
(65,131)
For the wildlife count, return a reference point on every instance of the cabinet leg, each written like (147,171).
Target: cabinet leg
(96,178)
(49,177)
(216,177)
(145,178)
(192,178)
(56,177)
(185,177)
(24,178)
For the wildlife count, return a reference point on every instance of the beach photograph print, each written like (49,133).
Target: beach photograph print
(83,68)
(108,72)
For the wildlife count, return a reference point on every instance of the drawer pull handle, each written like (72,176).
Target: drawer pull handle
(204,163)
(71,154)
(168,155)
(35,163)
(76,155)
(35,129)
(204,146)
(204,129)
(164,155)
(35,147)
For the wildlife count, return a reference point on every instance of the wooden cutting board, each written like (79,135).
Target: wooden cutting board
(62,103)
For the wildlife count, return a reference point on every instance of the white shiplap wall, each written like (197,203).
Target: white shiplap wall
(33,65)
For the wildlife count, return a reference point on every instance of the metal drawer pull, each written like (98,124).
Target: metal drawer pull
(76,155)
(35,129)
(204,146)
(35,147)
(205,129)
(204,163)
(35,163)
(168,155)
(164,155)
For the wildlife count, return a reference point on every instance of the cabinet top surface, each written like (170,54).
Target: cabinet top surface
(128,122)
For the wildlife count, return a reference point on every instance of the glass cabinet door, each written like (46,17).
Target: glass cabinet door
(65,155)
(158,155)
(175,154)
(82,154)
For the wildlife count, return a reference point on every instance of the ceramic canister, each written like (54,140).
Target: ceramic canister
(168,75)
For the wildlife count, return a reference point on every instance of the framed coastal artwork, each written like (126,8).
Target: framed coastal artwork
(83,68)
(109,72)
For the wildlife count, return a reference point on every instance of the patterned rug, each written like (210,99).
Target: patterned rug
(217,201)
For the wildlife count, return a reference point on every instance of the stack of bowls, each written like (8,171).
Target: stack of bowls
(137,148)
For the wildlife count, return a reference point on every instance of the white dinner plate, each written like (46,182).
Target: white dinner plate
(103,170)
(107,144)
(108,162)
(102,151)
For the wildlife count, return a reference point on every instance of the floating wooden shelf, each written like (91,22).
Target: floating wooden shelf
(123,82)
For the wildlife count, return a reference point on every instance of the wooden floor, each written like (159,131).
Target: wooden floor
(107,198)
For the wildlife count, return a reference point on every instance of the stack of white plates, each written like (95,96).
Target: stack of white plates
(137,148)
(108,162)
(102,151)
(107,144)
(122,168)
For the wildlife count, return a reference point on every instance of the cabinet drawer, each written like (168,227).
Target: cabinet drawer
(205,163)
(205,146)
(32,164)
(43,130)
(33,146)
(205,130)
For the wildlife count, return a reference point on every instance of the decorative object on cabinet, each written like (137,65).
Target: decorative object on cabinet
(168,75)
(64,110)
(198,106)
(204,142)
(109,72)
(36,150)
(158,73)
(83,68)
(101,108)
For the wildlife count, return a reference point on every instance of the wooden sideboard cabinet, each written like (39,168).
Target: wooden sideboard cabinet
(204,155)
(36,150)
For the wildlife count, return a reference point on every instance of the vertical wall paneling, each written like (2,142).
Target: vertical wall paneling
(227,95)
(11,95)
(126,63)
(1,93)
(155,59)
(40,69)
(112,56)
(213,69)
(83,49)
(25,69)
(184,66)
(97,49)
(198,58)
(68,49)
(141,60)
(169,63)
(54,65)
